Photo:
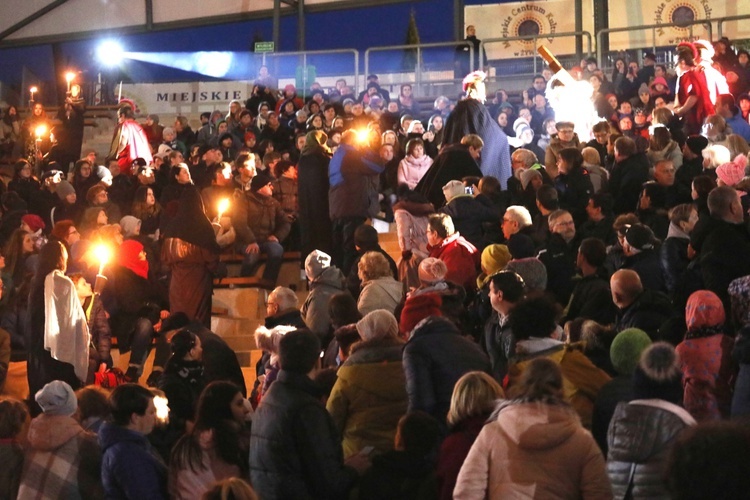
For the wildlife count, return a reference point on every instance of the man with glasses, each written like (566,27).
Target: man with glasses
(559,255)
(565,138)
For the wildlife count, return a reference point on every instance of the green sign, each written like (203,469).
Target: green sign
(264,47)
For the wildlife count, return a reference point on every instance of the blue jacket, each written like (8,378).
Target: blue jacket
(353,178)
(739,126)
(131,469)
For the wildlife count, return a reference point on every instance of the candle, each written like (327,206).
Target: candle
(32,91)
(40,131)
(102,253)
(69,76)
(223,206)
(119,93)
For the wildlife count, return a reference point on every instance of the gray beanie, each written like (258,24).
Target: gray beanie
(315,263)
(64,188)
(57,398)
(532,271)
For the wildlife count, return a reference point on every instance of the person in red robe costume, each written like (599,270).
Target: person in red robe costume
(693,99)
(129,141)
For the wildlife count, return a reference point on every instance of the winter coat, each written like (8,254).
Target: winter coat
(440,299)
(460,257)
(25,188)
(649,311)
(411,170)
(315,309)
(286,193)
(353,179)
(626,181)
(559,259)
(182,383)
(411,226)
(452,163)
(263,217)
(741,356)
(353,282)
(292,417)
(614,392)
(672,153)
(499,344)
(599,177)
(533,450)
(601,229)
(62,461)
(591,299)
(131,468)
(435,357)
(639,438)
(646,264)
(673,258)
(582,378)
(719,257)
(191,285)
(369,397)
(382,293)
(312,185)
(189,483)
(468,215)
(574,190)
(453,452)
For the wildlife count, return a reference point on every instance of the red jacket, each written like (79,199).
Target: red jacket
(461,258)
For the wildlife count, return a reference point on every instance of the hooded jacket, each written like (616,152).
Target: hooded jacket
(369,397)
(62,461)
(315,309)
(411,170)
(533,450)
(382,293)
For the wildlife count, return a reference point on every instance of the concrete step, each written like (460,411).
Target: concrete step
(227,326)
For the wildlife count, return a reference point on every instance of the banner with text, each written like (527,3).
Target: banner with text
(189,99)
(667,12)
(510,20)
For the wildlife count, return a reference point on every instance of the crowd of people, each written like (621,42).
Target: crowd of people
(566,319)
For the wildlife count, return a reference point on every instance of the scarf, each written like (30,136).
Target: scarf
(66,333)
(129,258)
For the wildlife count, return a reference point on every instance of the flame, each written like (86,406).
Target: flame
(102,253)
(33,90)
(40,130)
(69,76)
(162,408)
(223,205)
(363,136)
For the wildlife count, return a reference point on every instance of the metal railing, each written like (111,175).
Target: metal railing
(303,55)
(720,22)
(653,28)
(419,48)
(535,38)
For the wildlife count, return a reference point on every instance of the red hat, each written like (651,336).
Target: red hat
(34,222)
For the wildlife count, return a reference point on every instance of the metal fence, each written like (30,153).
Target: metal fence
(303,66)
(535,38)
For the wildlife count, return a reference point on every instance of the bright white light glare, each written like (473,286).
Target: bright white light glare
(215,64)
(110,53)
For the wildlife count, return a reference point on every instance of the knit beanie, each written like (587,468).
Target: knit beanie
(626,349)
(65,188)
(521,246)
(34,222)
(696,144)
(532,271)
(658,375)
(129,225)
(453,189)
(105,176)
(316,263)
(494,258)
(260,181)
(432,270)
(640,237)
(643,89)
(57,398)
(731,173)
(529,174)
(378,324)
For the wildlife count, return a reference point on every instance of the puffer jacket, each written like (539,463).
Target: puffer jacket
(263,216)
(293,418)
(369,397)
(435,357)
(382,293)
(672,152)
(411,170)
(533,450)
(411,225)
(315,309)
(639,438)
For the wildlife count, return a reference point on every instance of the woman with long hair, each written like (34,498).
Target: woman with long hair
(23,182)
(474,398)
(534,445)
(147,209)
(93,218)
(19,248)
(216,448)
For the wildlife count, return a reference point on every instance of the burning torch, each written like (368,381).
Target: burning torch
(560,72)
